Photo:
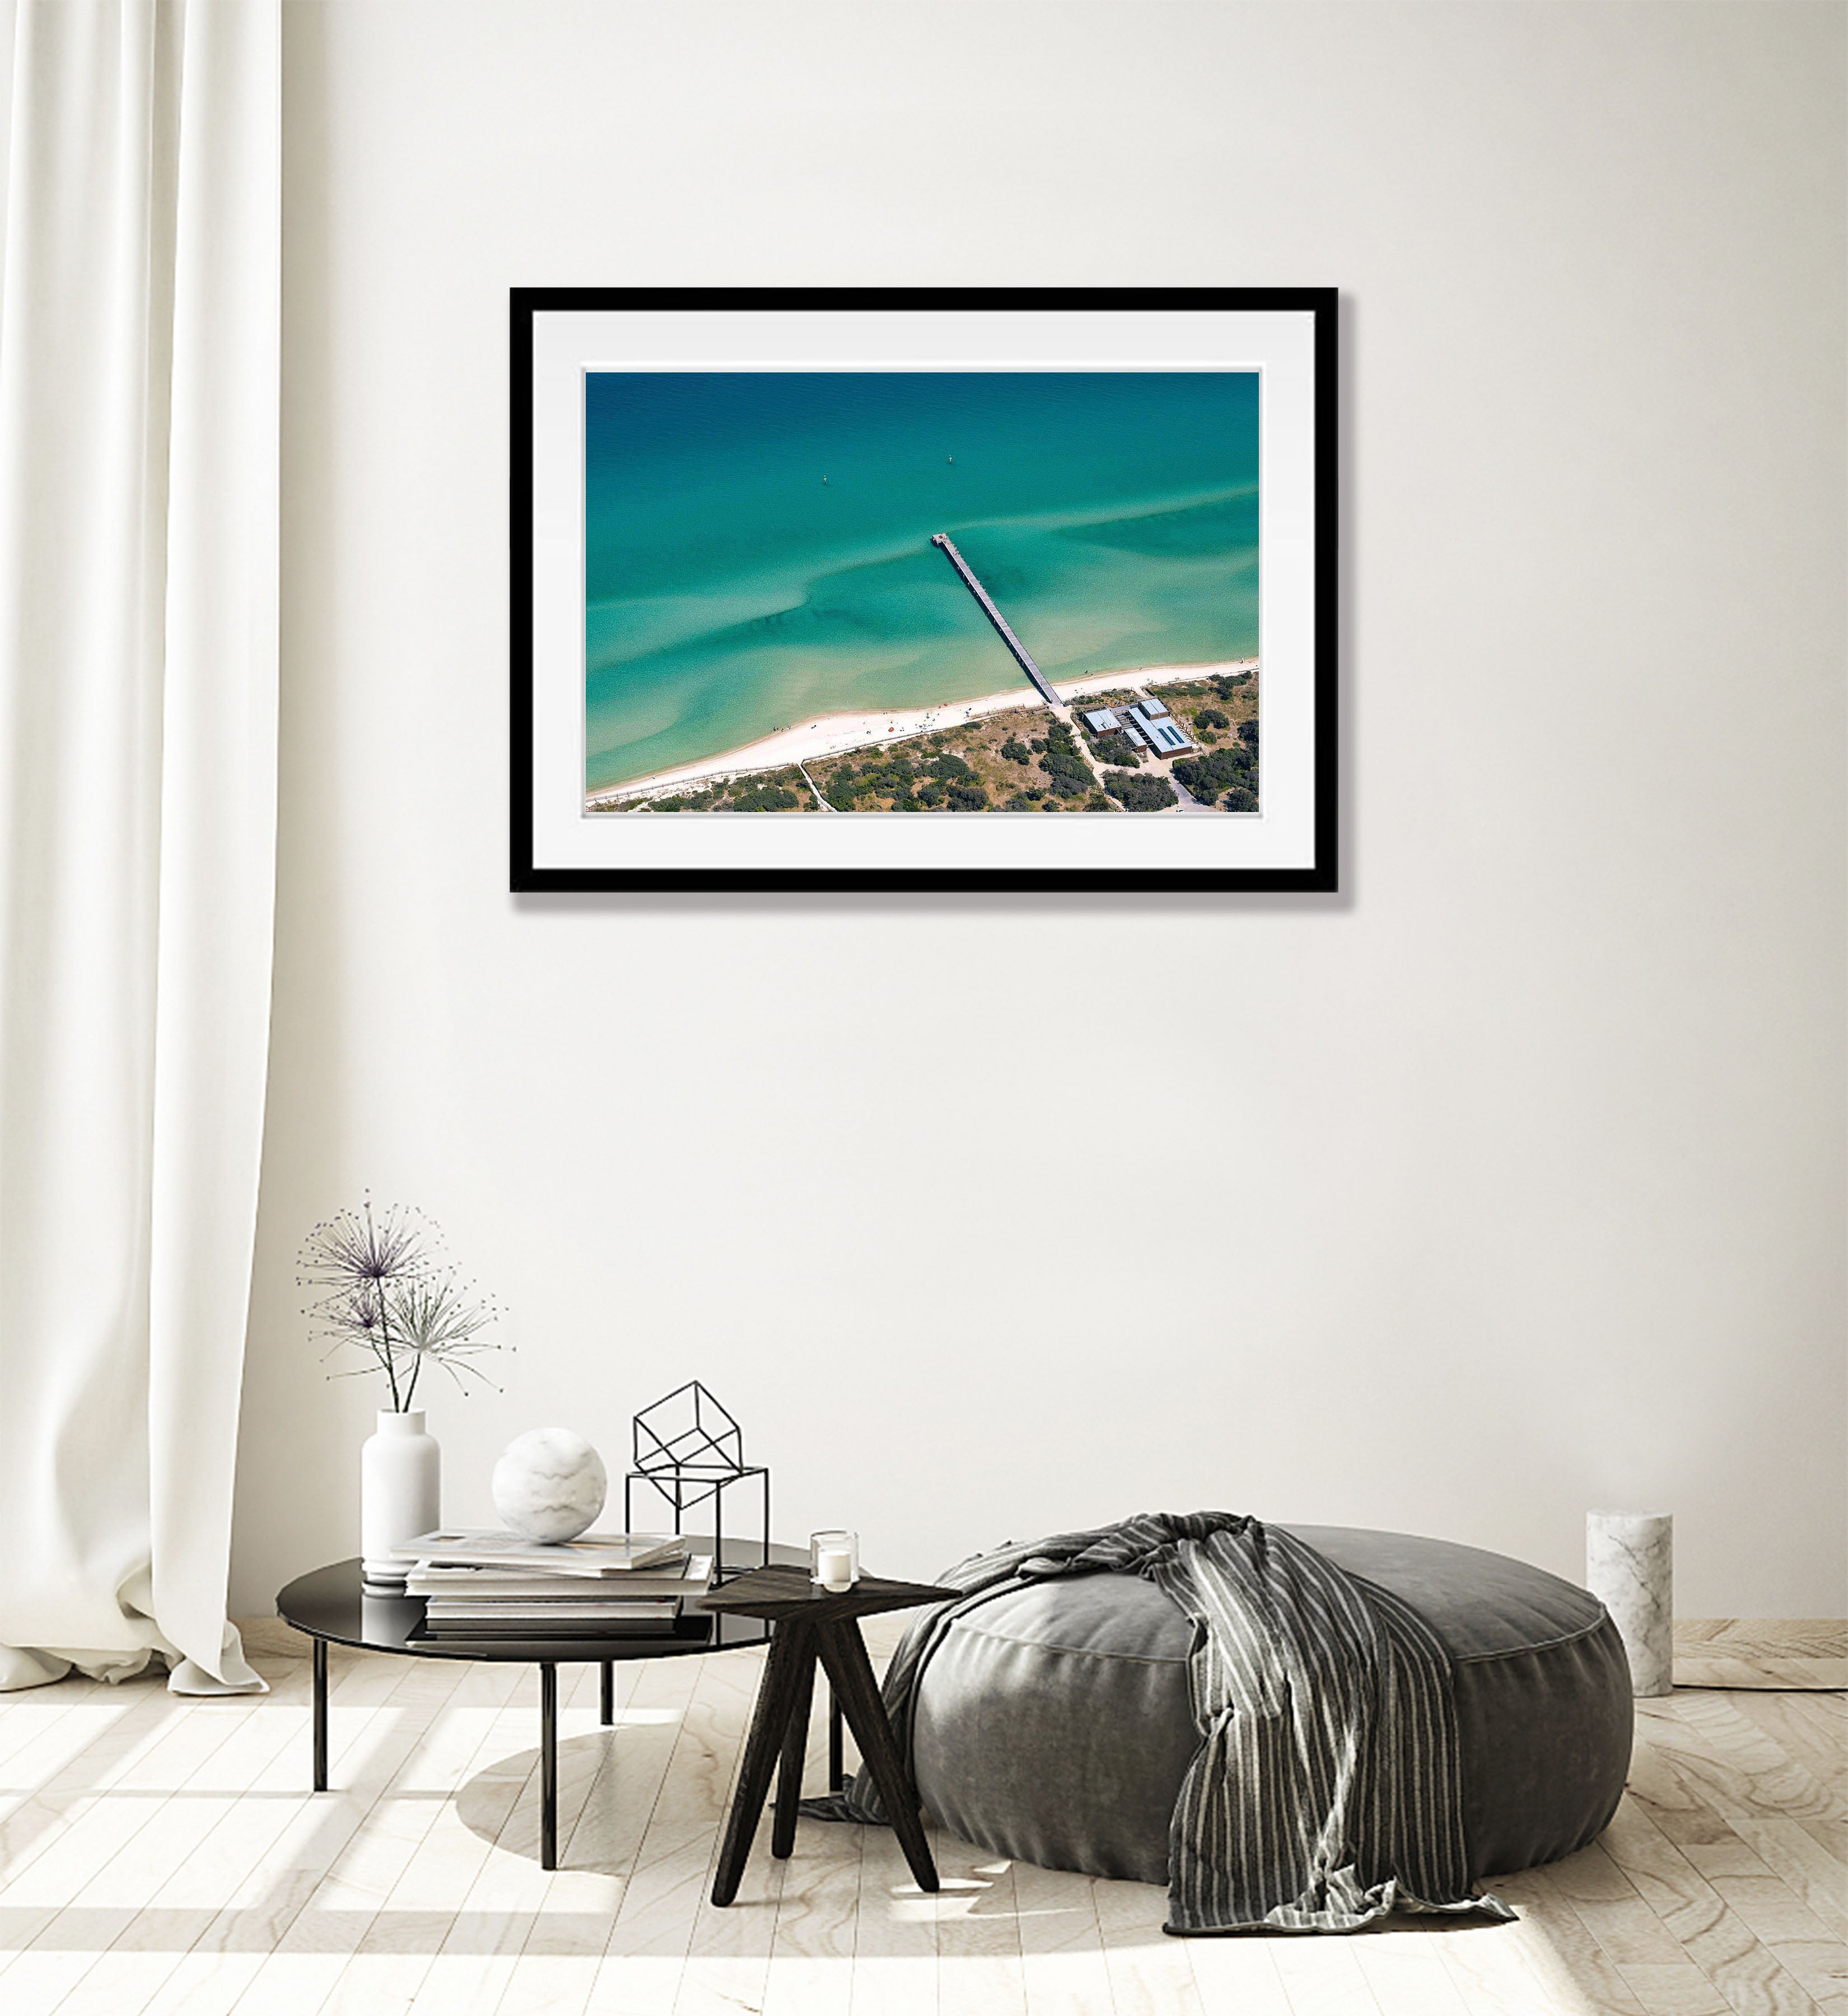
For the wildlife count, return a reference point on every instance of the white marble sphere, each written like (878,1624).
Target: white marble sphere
(549,1484)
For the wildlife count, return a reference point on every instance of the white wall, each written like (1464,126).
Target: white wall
(1507,1184)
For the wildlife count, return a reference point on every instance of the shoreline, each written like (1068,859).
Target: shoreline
(835,734)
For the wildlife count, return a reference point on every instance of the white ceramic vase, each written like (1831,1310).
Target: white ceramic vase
(401,1474)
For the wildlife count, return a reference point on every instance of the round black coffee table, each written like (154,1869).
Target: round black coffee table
(331,1606)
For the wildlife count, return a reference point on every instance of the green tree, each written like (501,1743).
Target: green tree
(1138,793)
(1207,776)
(1072,777)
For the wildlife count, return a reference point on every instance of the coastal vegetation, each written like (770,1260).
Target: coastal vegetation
(1208,777)
(1072,777)
(784,790)
(1021,760)
(1138,793)
(1113,748)
(973,768)
(765,798)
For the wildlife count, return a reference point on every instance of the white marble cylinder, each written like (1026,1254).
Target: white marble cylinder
(1629,1566)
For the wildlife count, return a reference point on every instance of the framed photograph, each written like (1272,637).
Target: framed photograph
(929,588)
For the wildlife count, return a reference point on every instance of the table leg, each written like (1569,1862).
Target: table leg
(795,1751)
(606,1710)
(850,1673)
(792,1657)
(320,1714)
(837,1763)
(548,1765)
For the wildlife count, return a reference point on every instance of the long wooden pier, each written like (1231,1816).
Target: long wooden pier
(999,621)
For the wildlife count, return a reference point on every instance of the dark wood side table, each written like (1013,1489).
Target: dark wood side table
(811,1624)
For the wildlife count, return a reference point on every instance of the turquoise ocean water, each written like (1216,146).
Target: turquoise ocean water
(757,543)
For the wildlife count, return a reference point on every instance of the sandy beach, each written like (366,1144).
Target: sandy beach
(831,734)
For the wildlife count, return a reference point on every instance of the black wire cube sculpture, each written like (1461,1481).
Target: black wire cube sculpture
(688,1448)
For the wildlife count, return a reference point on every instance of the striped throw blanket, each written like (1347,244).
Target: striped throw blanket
(1327,1790)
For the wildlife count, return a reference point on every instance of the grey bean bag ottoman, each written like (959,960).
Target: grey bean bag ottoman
(1053,1725)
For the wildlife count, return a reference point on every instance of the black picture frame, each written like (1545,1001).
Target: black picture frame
(1315,870)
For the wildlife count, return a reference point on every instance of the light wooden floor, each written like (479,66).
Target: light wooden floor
(164,1856)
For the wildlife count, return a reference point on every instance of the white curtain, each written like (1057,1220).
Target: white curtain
(140,410)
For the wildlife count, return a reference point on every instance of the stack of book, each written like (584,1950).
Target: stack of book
(486,1585)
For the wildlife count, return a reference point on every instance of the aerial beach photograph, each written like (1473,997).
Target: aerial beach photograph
(942,591)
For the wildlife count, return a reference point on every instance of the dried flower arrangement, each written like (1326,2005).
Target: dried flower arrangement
(386,1288)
